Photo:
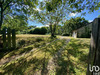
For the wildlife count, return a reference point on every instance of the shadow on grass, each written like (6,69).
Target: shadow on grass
(15,52)
(66,66)
(24,67)
(32,66)
(37,66)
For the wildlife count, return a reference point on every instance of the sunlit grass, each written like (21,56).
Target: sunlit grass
(31,35)
(73,60)
(74,57)
(36,59)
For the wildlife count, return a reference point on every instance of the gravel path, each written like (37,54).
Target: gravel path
(52,62)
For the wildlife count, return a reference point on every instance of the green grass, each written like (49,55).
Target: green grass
(32,61)
(26,45)
(73,60)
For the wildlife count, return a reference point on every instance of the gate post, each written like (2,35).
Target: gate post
(94,53)
(13,39)
(4,38)
(9,38)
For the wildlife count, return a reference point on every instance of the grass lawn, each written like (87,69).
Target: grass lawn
(33,56)
(31,35)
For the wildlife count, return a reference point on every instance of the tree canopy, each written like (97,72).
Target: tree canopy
(74,24)
(16,22)
(54,12)
(16,8)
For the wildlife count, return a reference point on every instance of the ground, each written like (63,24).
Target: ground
(41,55)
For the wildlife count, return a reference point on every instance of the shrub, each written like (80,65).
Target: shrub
(31,31)
(65,34)
(43,30)
(36,31)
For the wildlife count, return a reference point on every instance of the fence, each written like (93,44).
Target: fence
(9,38)
(94,53)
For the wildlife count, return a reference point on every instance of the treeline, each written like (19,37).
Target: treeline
(66,29)
(42,30)
(33,30)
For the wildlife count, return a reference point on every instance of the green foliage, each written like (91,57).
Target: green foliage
(51,13)
(16,13)
(65,34)
(17,22)
(31,27)
(54,12)
(43,30)
(59,30)
(37,31)
(86,34)
(74,24)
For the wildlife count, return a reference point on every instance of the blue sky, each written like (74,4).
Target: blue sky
(88,16)
(91,16)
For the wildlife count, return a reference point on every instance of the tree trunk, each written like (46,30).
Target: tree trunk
(1,19)
(53,30)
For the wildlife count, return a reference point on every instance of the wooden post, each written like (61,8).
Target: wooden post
(4,38)
(9,38)
(13,39)
(94,53)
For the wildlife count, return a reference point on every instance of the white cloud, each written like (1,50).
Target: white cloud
(72,14)
(37,9)
(43,26)
(90,20)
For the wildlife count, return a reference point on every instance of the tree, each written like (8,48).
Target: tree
(17,22)
(16,7)
(59,30)
(51,14)
(42,30)
(31,27)
(53,11)
(74,24)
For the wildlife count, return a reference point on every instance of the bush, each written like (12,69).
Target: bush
(65,34)
(31,31)
(36,31)
(43,30)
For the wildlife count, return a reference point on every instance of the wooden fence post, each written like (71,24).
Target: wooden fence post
(13,38)
(4,38)
(9,38)
(94,53)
